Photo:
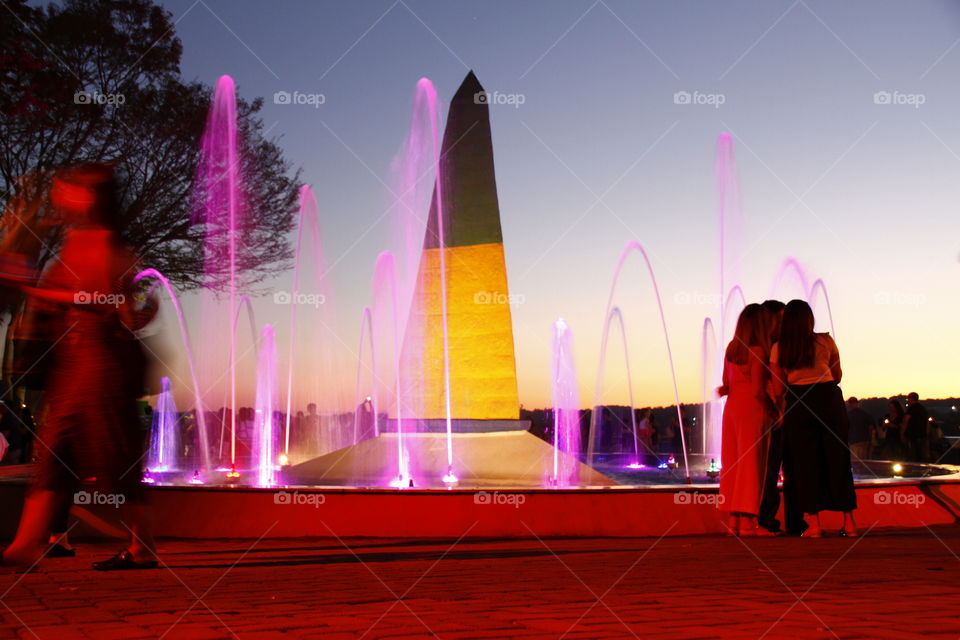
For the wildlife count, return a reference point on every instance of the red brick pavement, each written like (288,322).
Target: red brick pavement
(889,584)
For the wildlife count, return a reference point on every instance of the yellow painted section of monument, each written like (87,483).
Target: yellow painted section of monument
(483,373)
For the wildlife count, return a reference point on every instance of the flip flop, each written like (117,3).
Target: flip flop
(124,561)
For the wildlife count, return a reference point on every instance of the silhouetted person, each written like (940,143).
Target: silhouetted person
(914,429)
(807,374)
(770,503)
(862,428)
(892,447)
(91,429)
(747,415)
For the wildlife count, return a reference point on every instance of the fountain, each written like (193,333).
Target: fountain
(615,314)
(217,204)
(435,359)
(164,453)
(631,247)
(188,350)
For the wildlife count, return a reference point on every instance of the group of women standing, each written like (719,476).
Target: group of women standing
(780,375)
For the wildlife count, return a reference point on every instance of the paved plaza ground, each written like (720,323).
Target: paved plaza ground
(886,584)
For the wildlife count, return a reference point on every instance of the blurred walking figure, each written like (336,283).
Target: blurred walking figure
(806,371)
(746,418)
(91,428)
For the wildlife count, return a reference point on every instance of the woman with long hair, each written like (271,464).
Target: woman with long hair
(746,416)
(806,374)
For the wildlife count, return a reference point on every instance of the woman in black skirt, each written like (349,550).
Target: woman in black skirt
(806,372)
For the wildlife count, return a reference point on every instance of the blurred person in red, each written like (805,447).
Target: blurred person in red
(91,429)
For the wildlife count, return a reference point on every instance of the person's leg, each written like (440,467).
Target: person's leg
(770,502)
(60,526)
(142,545)
(28,545)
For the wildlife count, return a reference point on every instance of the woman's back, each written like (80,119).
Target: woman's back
(826,355)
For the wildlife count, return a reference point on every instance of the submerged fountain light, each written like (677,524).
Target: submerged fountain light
(283,460)
(636,465)
(196,479)
(449,477)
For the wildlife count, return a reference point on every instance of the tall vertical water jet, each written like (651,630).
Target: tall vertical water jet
(460,319)
(266,427)
(164,454)
(217,204)
(566,407)
(711,410)
(243,303)
(730,218)
(615,314)
(360,430)
(307,203)
(449,476)
(631,247)
(385,285)
(188,348)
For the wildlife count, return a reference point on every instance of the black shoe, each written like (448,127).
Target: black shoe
(124,561)
(57,550)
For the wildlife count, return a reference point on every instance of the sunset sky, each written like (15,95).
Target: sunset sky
(844,118)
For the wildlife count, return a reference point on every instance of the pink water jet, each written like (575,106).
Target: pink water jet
(631,247)
(265,428)
(615,314)
(188,348)
(385,285)
(366,323)
(566,407)
(217,204)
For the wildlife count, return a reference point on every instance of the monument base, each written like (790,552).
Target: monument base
(458,425)
(514,458)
